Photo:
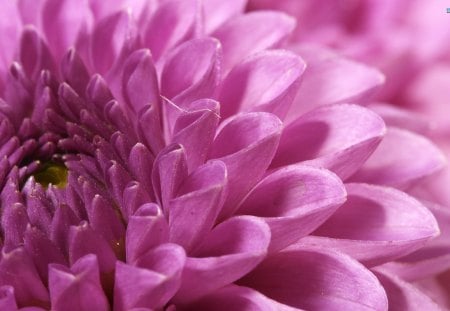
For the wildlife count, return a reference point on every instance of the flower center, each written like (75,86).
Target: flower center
(52,173)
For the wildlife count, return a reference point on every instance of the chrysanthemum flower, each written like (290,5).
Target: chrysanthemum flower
(145,165)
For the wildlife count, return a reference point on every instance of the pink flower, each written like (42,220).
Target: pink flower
(154,158)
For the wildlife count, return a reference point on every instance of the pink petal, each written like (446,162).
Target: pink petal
(404,296)
(228,252)
(402,118)
(430,260)
(169,170)
(194,211)
(294,201)
(376,225)
(84,241)
(246,144)
(237,298)
(173,22)
(386,165)
(139,81)
(17,270)
(35,55)
(7,299)
(337,137)
(317,279)
(152,282)
(63,20)
(192,71)
(330,78)
(105,48)
(218,12)
(266,81)
(194,129)
(146,229)
(78,288)
(252,32)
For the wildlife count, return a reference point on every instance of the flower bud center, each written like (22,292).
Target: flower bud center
(52,173)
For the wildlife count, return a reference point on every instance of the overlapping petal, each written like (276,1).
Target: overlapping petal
(337,137)
(294,201)
(294,278)
(376,225)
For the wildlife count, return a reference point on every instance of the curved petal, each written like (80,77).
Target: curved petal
(401,118)
(316,279)
(35,55)
(237,298)
(17,269)
(139,81)
(77,288)
(386,165)
(62,22)
(337,137)
(246,144)
(228,252)
(194,211)
(266,81)
(252,32)
(404,296)
(430,260)
(146,229)
(192,71)
(194,129)
(376,225)
(218,12)
(169,170)
(294,201)
(105,48)
(331,79)
(152,282)
(173,21)
(7,299)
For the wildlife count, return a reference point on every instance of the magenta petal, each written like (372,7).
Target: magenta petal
(195,129)
(83,241)
(337,137)
(276,72)
(77,288)
(238,298)
(105,49)
(404,296)
(63,20)
(386,165)
(251,33)
(402,118)
(169,170)
(146,229)
(218,12)
(152,282)
(193,212)
(139,81)
(294,201)
(7,299)
(34,53)
(192,71)
(324,83)
(246,143)
(430,260)
(17,269)
(173,21)
(317,279)
(377,225)
(231,250)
